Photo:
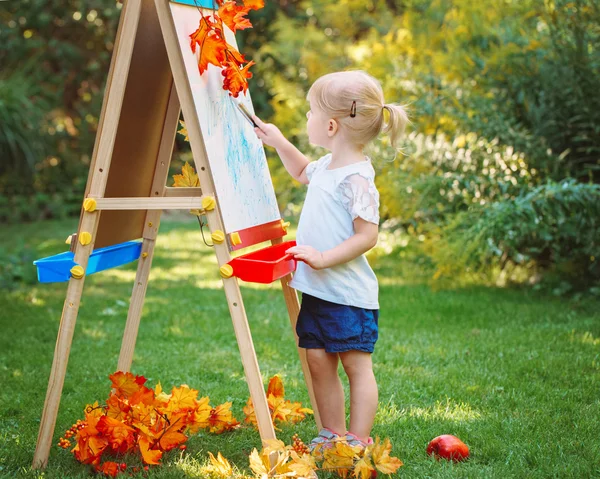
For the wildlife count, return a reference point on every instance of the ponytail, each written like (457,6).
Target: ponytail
(397,121)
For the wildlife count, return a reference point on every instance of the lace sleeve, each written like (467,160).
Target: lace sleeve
(360,197)
(310,169)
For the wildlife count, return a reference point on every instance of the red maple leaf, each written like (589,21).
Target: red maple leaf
(234,16)
(197,38)
(213,51)
(236,78)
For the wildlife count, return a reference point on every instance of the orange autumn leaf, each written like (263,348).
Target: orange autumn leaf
(236,78)
(213,52)
(197,38)
(142,418)
(118,434)
(234,16)
(221,419)
(188,177)
(125,384)
(254,4)
(90,444)
(171,439)
(149,456)
(109,468)
(275,387)
(117,408)
(143,396)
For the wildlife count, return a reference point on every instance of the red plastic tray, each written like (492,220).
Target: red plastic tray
(265,265)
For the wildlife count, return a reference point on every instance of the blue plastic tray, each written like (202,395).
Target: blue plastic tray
(57,268)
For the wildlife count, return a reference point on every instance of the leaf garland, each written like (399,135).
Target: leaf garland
(149,422)
(213,49)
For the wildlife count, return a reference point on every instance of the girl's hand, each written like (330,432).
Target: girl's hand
(309,255)
(268,133)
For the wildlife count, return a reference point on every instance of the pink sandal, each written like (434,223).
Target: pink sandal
(325,440)
(354,440)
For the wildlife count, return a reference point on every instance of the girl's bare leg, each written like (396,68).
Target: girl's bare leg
(329,392)
(363,392)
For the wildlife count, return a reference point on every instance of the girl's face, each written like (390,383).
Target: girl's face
(317,126)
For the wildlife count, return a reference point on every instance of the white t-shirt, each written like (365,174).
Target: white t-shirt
(335,198)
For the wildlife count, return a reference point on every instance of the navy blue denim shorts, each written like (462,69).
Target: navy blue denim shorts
(337,328)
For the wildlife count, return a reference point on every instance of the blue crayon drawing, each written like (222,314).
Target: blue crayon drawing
(236,156)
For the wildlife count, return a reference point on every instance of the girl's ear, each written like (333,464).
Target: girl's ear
(332,128)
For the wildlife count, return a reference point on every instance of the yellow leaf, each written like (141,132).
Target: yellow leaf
(382,459)
(304,465)
(188,177)
(199,419)
(250,413)
(182,398)
(273,445)
(258,465)
(363,469)
(280,411)
(220,465)
(341,457)
(183,130)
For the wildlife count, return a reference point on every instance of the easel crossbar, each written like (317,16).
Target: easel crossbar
(163,203)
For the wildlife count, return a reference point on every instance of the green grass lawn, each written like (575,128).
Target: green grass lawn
(514,374)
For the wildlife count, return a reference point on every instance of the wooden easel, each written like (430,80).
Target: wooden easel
(146,89)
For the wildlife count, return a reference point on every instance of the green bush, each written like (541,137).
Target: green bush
(435,177)
(17,268)
(553,229)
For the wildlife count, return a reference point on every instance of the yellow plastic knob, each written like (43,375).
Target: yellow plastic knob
(89,205)
(144,254)
(285,225)
(77,272)
(85,238)
(235,239)
(226,271)
(218,236)
(208,203)
(68,240)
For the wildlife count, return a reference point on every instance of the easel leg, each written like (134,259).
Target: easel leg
(63,348)
(136,305)
(249,361)
(293,307)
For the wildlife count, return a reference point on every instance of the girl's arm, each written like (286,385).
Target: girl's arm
(364,238)
(293,159)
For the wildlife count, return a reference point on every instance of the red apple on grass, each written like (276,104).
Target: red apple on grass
(448,447)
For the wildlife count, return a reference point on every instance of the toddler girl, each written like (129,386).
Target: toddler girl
(338,224)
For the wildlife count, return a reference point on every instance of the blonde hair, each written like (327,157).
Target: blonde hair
(355,100)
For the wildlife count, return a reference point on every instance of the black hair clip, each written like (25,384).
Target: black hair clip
(353,109)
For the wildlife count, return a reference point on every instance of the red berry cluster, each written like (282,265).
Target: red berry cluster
(64,441)
(299,446)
